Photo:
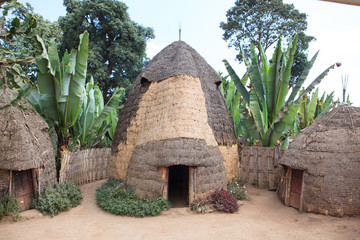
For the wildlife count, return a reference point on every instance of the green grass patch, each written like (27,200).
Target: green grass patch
(54,200)
(115,198)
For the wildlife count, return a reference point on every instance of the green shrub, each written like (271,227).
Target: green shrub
(200,205)
(115,198)
(54,200)
(238,192)
(9,207)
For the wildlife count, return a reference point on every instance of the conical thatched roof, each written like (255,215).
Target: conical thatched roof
(24,137)
(331,141)
(176,59)
(175,115)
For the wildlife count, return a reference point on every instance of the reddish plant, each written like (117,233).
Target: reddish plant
(224,201)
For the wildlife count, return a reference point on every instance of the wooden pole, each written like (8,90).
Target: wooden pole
(10,183)
(38,172)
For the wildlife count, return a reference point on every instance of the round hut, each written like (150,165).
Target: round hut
(174,137)
(322,165)
(27,159)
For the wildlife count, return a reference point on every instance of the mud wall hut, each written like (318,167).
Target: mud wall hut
(322,165)
(27,159)
(174,131)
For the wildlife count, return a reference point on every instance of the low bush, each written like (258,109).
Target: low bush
(115,198)
(9,207)
(54,200)
(238,191)
(200,206)
(222,200)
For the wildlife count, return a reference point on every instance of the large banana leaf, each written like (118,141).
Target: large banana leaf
(317,80)
(301,79)
(255,75)
(285,77)
(237,81)
(48,85)
(273,83)
(77,83)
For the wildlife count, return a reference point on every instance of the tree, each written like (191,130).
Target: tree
(24,45)
(117,44)
(262,21)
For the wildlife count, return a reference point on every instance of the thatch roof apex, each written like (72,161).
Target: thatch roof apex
(175,59)
(24,139)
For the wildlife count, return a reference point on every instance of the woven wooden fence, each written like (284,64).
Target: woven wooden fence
(84,166)
(259,166)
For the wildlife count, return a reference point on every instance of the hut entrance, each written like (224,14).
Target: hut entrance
(295,189)
(24,188)
(178,185)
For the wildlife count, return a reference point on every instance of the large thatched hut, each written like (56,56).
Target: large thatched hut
(322,165)
(175,136)
(27,159)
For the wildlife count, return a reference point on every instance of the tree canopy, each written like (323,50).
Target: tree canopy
(117,44)
(24,44)
(263,21)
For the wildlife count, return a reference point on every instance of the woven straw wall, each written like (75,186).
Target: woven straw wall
(85,166)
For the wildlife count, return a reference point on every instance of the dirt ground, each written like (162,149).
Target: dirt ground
(264,217)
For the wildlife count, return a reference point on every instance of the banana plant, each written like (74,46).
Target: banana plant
(233,100)
(314,107)
(267,114)
(61,85)
(97,120)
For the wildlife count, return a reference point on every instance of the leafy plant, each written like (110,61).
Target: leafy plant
(95,120)
(233,101)
(115,198)
(9,207)
(267,114)
(54,200)
(200,205)
(237,191)
(311,108)
(62,85)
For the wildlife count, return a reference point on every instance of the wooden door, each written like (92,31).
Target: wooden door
(295,189)
(23,188)
(192,184)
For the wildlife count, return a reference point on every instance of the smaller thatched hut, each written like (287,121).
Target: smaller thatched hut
(322,165)
(27,159)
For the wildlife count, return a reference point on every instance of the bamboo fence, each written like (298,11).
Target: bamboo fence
(259,166)
(84,166)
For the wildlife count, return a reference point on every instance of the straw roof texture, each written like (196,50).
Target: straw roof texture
(330,142)
(329,152)
(24,139)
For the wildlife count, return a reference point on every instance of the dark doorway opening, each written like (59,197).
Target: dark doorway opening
(178,192)
(295,189)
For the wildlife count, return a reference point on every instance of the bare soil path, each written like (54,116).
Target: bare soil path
(264,217)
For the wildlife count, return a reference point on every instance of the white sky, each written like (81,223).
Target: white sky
(336,27)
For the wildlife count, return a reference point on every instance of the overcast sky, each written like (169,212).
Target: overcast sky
(335,26)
